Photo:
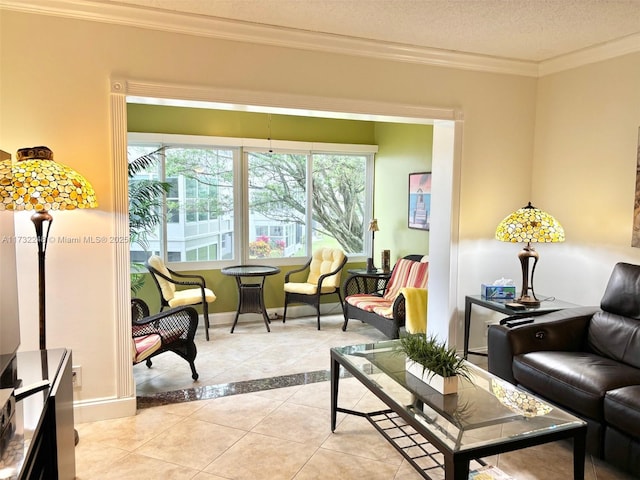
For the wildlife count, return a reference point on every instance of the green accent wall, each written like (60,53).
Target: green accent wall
(403,149)
(226,123)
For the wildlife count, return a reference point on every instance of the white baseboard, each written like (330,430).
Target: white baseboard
(104,409)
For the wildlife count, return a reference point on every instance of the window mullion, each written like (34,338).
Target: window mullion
(163,225)
(309,209)
(242,206)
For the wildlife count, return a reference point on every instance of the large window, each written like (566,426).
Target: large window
(229,201)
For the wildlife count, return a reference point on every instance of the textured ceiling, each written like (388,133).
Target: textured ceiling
(530,30)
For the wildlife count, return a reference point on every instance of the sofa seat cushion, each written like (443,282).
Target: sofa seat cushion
(372,303)
(144,346)
(191,296)
(622,409)
(576,380)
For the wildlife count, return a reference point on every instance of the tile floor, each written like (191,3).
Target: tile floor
(260,410)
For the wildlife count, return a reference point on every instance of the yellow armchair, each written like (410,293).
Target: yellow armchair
(323,278)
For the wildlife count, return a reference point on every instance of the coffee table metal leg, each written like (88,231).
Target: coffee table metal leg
(467,326)
(579,454)
(335,377)
(456,468)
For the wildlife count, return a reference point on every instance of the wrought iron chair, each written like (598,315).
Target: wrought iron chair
(166,281)
(170,331)
(325,268)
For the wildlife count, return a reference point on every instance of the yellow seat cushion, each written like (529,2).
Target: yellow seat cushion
(307,288)
(191,296)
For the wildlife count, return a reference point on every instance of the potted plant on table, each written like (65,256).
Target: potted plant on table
(433,362)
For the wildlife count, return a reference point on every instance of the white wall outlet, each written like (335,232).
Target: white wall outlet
(76,376)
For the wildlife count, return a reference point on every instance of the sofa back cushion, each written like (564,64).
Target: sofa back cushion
(614,331)
(622,295)
(616,337)
(407,273)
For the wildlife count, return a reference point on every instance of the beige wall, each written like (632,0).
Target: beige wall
(585,172)
(54,90)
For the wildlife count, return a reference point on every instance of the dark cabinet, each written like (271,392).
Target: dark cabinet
(43,446)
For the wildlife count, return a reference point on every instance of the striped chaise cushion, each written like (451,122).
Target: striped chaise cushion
(406,273)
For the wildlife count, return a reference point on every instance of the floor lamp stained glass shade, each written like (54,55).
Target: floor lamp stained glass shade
(35,182)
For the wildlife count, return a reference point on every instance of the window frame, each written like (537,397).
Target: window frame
(241,148)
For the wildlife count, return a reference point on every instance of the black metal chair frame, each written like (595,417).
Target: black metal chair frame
(195,281)
(311,299)
(176,327)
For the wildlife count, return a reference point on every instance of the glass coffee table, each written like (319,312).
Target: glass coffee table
(437,432)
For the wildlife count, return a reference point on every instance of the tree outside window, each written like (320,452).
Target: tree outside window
(296,202)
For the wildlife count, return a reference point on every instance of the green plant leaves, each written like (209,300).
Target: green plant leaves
(433,355)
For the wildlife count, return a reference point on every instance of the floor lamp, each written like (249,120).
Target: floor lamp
(373,228)
(36,183)
(529,225)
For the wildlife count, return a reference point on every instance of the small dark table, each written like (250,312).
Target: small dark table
(369,281)
(251,295)
(546,306)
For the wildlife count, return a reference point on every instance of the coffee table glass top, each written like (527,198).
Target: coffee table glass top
(487,411)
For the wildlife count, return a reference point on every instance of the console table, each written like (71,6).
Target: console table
(250,295)
(435,432)
(43,445)
(549,305)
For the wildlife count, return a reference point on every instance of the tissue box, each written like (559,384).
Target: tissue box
(498,292)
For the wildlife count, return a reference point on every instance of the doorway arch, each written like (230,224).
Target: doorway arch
(446,156)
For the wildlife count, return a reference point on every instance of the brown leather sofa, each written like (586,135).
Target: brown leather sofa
(587,361)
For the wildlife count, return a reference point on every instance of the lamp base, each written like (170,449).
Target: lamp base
(528,301)
(370,266)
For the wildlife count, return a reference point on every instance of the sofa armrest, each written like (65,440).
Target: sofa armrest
(171,325)
(357,284)
(399,309)
(564,330)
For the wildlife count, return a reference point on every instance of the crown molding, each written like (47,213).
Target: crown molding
(598,53)
(200,25)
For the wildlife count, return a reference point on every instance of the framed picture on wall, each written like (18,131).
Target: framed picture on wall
(420,200)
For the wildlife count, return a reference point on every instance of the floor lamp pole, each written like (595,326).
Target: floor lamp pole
(42,238)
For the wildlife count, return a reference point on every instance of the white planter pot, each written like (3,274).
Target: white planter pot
(443,385)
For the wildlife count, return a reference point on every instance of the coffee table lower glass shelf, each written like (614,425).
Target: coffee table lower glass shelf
(453,433)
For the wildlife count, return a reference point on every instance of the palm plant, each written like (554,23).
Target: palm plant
(145,208)
(434,356)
